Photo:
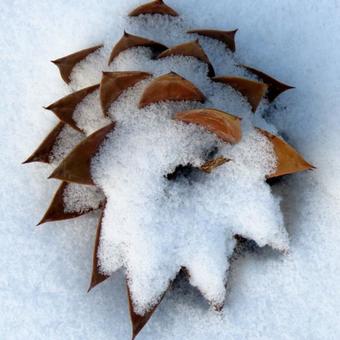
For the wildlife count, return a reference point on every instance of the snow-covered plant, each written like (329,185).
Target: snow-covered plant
(177,179)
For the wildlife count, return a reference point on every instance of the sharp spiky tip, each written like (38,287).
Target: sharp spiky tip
(154,7)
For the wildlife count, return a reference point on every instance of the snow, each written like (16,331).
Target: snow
(270,295)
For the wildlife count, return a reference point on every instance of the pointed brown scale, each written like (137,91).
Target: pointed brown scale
(64,107)
(227,37)
(97,277)
(189,49)
(253,90)
(224,125)
(170,86)
(66,64)
(211,165)
(128,41)
(275,87)
(153,7)
(76,167)
(289,161)
(43,152)
(113,84)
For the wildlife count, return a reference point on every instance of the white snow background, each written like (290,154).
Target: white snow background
(46,270)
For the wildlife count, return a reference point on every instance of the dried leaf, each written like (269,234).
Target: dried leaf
(289,161)
(128,41)
(153,7)
(189,49)
(253,90)
(66,64)
(65,107)
(76,167)
(275,87)
(43,152)
(224,125)
(227,37)
(170,86)
(113,84)
(211,165)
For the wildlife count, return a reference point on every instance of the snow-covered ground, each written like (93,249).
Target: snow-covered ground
(45,270)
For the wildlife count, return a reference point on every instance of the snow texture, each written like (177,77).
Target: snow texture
(45,272)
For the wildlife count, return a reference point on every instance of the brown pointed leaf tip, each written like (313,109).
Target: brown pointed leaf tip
(76,167)
(224,125)
(66,64)
(97,277)
(253,90)
(289,161)
(113,84)
(170,86)
(43,152)
(275,87)
(227,37)
(64,107)
(154,7)
(211,165)
(129,41)
(189,49)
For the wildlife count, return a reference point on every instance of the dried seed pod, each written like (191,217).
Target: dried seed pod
(224,125)
(128,41)
(43,152)
(189,49)
(209,166)
(66,64)
(113,84)
(153,7)
(253,90)
(170,86)
(65,107)
(275,87)
(289,161)
(227,37)
(76,167)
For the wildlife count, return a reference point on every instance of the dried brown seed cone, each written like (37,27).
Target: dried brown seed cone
(128,41)
(170,86)
(153,7)
(76,167)
(227,37)
(253,90)
(113,84)
(66,64)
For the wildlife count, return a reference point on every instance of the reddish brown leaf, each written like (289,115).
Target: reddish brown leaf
(189,49)
(153,7)
(76,167)
(253,90)
(224,125)
(170,86)
(128,41)
(43,152)
(289,161)
(227,37)
(113,84)
(275,87)
(97,277)
(66,64)
(209,166)
(64,107)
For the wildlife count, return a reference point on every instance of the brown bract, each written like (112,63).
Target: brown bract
(66,64)
(209,166)
(128,41)
(227,37)
(275,87)
(44,150)
(170,86)
(253,90)
(65,107)
(224,125)
(289,161)
(76,167)
(113,84)
(189,49)
(153,7)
